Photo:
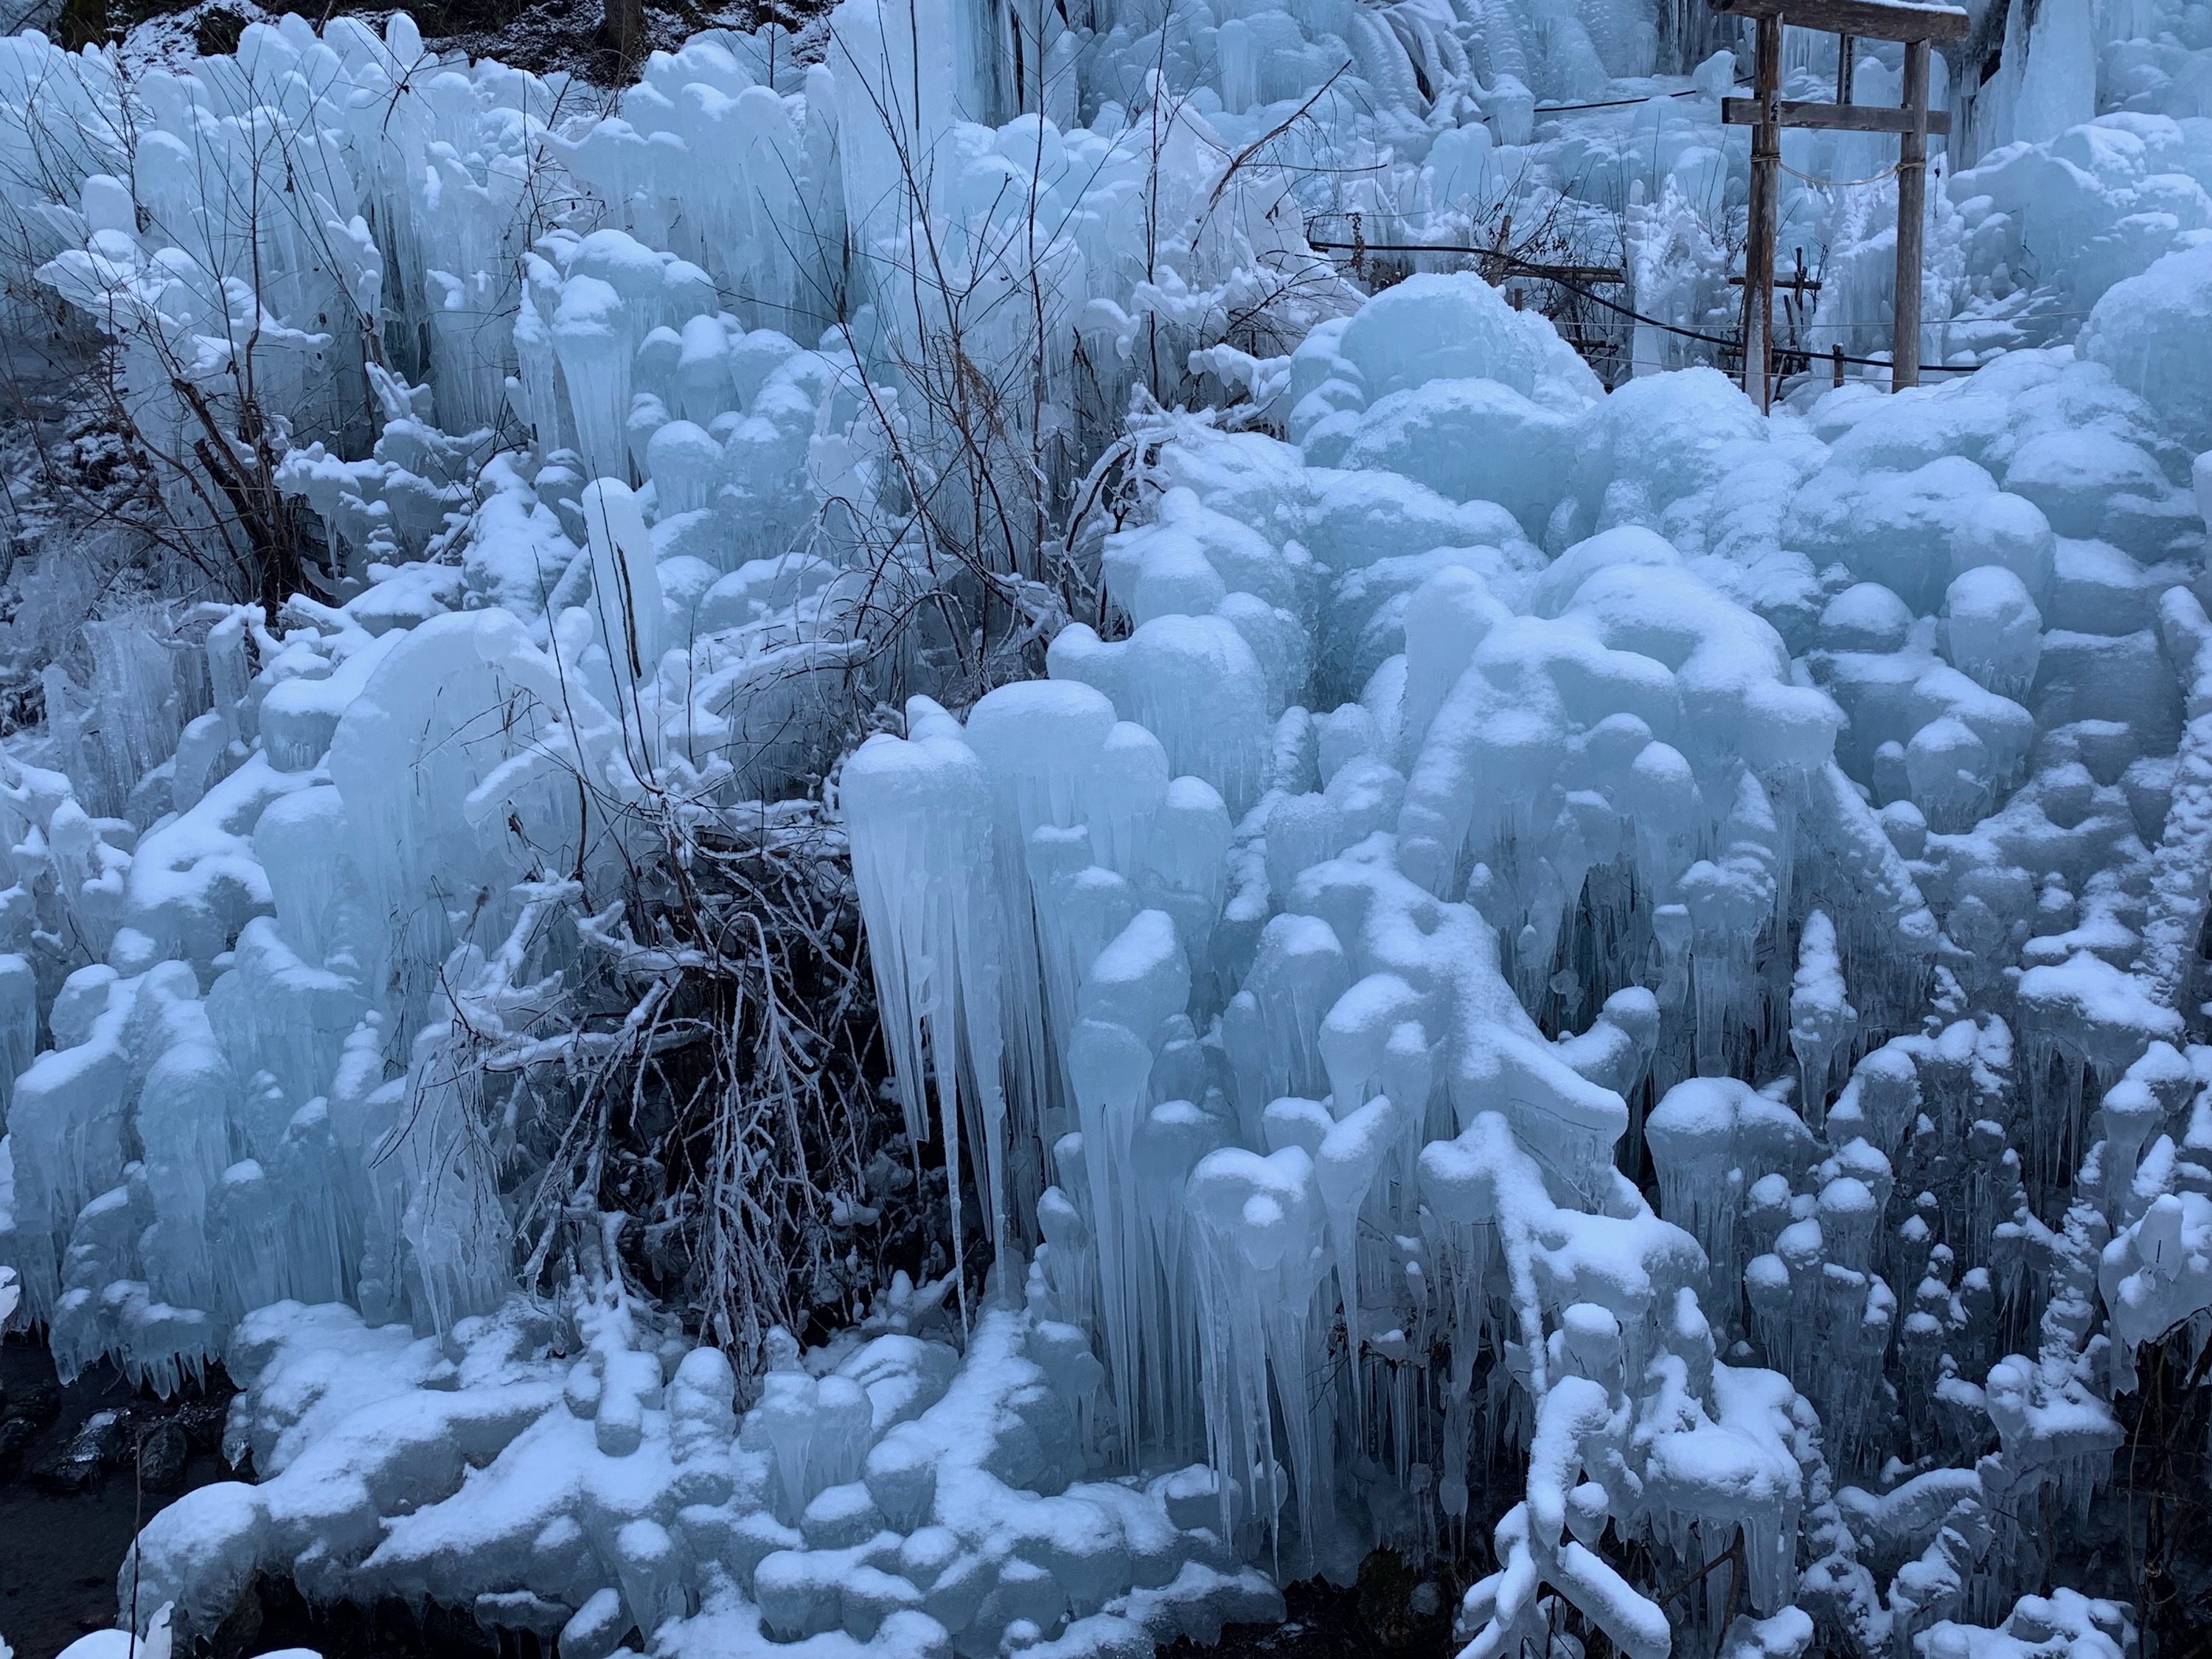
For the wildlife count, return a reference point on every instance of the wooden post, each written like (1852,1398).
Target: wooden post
(1914,23)
(1911,210)
(1766,182)
(1838,351)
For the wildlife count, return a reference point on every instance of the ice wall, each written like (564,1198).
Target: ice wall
(1640,959)
(1556,730)
(316,892)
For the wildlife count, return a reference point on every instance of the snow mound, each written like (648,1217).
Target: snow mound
(1604,965)
(2150,331)
(892,1495)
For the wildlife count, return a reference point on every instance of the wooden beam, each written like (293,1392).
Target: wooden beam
(1589,276)
(1840,118)
(1799,284)
(1869,20)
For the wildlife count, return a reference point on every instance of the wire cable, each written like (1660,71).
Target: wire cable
(1716,339)
(1889,172)
(1633,315)
(1623,103)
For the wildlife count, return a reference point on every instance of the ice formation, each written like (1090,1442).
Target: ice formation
(1471,791)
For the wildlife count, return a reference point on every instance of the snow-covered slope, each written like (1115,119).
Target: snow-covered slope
(1591,979)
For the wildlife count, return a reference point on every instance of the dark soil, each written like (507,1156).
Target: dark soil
(1326,1621)
(69,1496)
(1333,1621)
(1368,1620)
(274,1616)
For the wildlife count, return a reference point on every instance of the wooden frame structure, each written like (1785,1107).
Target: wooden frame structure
(1917,25)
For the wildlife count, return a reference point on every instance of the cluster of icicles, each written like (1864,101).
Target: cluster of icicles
(1183,965)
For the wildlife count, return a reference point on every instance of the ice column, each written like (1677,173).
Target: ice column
(919,809)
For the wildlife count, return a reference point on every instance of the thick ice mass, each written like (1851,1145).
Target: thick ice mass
(1573,975)
(1617,728)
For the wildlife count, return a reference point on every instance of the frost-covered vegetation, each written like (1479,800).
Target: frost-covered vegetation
(910,847)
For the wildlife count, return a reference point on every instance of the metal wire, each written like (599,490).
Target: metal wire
(1889,172)
(1623,103)
(1735,343)
(1715,339)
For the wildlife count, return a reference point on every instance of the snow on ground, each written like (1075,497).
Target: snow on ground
(1465,784)
(879,1495)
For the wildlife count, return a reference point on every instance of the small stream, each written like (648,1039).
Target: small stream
(70,1495)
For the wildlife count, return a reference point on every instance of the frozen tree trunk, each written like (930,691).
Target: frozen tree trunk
(623,26)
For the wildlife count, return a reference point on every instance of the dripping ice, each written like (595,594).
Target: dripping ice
(1637,961)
